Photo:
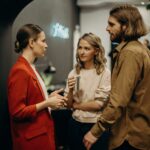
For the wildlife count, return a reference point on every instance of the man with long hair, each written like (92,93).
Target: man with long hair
(127,113)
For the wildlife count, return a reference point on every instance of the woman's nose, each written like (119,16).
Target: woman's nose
(82,51)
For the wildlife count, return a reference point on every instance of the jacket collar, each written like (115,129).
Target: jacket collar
(23,60)
(120,46)
(118,49)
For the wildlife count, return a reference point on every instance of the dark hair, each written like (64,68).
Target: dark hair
(130,16)
(99,59)
(24,34)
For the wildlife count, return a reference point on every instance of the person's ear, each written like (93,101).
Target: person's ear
(31,43)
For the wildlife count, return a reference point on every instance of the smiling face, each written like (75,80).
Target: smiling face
(86,52)
(40,45)
(115,30)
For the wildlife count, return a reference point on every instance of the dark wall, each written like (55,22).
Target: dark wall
(5,63)
(6,20)
(47,13)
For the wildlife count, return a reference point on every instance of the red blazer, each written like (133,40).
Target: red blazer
(30,129)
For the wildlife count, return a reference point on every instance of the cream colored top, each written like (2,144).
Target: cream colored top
(91,87)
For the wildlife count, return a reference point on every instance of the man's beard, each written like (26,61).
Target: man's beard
(118,38)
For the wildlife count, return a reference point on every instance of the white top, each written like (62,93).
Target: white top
(42,84)
(91,87)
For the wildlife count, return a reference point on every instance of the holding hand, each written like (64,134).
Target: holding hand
(56,101)
(71,83)
(89,140)
(56,92)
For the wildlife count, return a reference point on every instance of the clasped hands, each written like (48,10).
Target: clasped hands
(57,101)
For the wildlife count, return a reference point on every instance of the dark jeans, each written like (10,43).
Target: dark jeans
(126,146)
(61,120)
(77,130)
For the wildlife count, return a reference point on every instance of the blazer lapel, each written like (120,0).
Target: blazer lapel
(23,60)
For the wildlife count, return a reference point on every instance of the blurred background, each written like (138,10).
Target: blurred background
(63,21)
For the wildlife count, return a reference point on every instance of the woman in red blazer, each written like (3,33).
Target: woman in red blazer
(29,104)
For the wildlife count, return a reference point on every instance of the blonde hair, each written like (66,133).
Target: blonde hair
(99,58)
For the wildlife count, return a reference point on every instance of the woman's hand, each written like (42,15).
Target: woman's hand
(56,92)
(56,101)
(71,83)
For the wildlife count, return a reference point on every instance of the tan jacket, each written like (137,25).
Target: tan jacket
(128,111)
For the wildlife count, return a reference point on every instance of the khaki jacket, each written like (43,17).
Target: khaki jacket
(128,111)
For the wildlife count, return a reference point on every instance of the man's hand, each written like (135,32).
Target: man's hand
(89,140)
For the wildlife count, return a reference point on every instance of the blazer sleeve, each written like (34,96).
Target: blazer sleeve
(17,96)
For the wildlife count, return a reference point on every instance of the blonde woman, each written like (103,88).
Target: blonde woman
(87,89)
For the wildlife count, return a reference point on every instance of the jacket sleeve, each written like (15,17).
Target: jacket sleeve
(129,70)
(17,96)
